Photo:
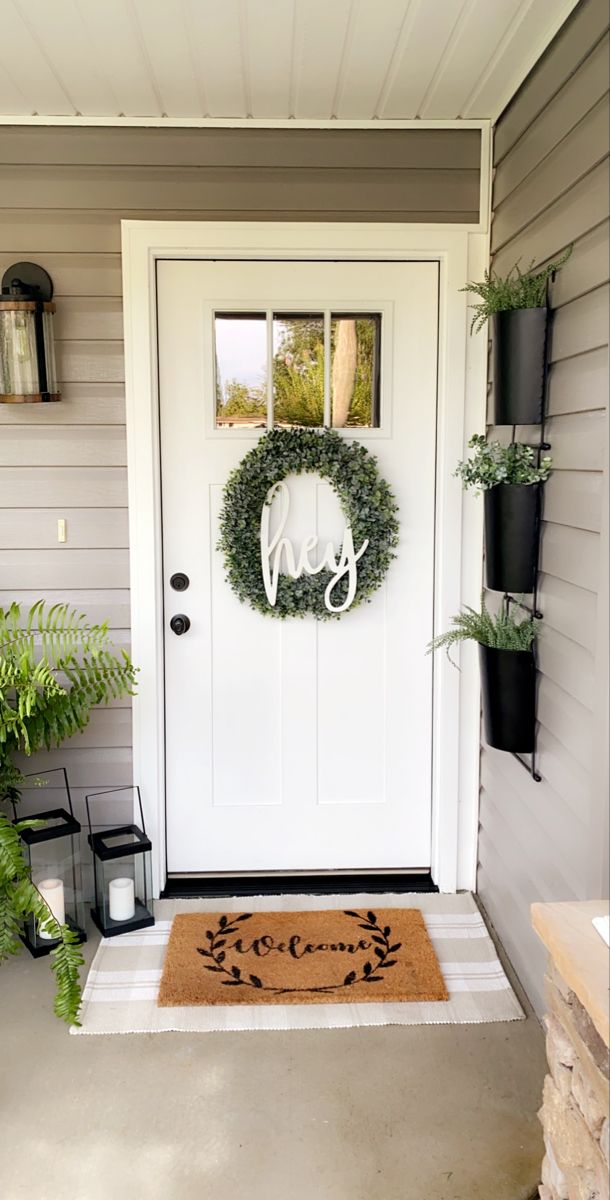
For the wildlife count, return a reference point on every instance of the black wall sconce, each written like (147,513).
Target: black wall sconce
(27,351)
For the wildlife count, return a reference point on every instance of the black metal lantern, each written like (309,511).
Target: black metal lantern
(122,869)
(27,351)
(52,851)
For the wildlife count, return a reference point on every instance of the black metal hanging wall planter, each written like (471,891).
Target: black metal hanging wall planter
(520,365)
(518,307)
(512,536)
(27,352)
(512,531)
(508,682)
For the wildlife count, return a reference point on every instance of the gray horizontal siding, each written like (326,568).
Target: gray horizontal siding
(63,193)
(82,404)
(572,104)
(407,175)
(551,189)
(231,189)
(297,149)
(573,158)
(67,486)
(569,608)
(41,570)
(36,528)
(62,445)
(552,74)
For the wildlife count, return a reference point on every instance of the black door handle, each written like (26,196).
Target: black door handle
(180,624)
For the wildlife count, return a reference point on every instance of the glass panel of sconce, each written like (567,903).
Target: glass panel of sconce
(18,362)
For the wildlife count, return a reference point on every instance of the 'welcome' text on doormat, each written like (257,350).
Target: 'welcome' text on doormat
(333,956)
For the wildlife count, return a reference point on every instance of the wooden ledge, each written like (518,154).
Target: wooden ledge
(579,954)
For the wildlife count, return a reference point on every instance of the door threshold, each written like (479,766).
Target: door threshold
(326,883)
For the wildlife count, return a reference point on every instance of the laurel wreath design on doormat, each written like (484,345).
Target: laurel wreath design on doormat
(368,505)
(381,959)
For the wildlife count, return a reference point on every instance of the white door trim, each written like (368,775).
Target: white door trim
(462,254)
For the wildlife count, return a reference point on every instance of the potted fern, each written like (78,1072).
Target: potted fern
(511,479)
(517,305)
(508,672)
(54,668)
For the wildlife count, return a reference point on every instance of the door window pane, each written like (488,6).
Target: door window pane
(306,392)
(240,341)
(298,369)
(354,375)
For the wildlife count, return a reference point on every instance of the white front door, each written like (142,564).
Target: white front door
(296,744)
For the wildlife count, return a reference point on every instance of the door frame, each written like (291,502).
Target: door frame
(462,254)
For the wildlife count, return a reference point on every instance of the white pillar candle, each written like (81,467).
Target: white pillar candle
(52,890)
(121,898)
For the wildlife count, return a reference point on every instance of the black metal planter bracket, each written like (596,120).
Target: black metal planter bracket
(540,447)
(533,612)
(530,766)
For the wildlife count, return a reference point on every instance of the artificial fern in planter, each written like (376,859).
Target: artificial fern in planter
(511,478)
(54,668)
(508,672)
(517,306)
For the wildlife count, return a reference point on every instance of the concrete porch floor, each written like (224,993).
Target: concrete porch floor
(411,1113)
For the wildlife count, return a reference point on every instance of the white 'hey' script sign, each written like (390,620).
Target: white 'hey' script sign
(273,548)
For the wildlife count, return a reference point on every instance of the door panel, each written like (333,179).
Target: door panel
(296,744)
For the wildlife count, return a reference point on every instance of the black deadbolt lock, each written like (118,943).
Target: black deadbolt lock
(180,624)
(179,581)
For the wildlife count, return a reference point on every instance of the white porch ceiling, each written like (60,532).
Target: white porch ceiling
(269,59)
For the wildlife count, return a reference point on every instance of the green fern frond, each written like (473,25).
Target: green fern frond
(518,289)
(19,901)
(502,631)
(54,668)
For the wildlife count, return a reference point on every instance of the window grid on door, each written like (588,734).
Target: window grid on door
(317,367)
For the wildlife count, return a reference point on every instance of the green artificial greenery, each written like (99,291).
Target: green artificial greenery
(492,463)
(21,901)
(502,631)
(54,667)
(518,289)
(366,499)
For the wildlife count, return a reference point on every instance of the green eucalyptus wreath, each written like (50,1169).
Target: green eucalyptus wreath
(367,501)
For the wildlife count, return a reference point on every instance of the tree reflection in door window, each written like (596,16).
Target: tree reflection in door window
(307,391)
(298,369)
(355,346)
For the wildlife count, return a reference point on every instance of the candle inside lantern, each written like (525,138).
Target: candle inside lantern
(52,890)
(121,899)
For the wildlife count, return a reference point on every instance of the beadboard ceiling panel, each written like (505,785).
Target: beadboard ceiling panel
(306,60)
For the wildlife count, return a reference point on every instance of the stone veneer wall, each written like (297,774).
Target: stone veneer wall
(574,1112)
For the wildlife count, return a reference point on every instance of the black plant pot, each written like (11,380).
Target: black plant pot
(508,683)
(512,533)
(519,350)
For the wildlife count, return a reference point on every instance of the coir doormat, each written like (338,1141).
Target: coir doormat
(337,956)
